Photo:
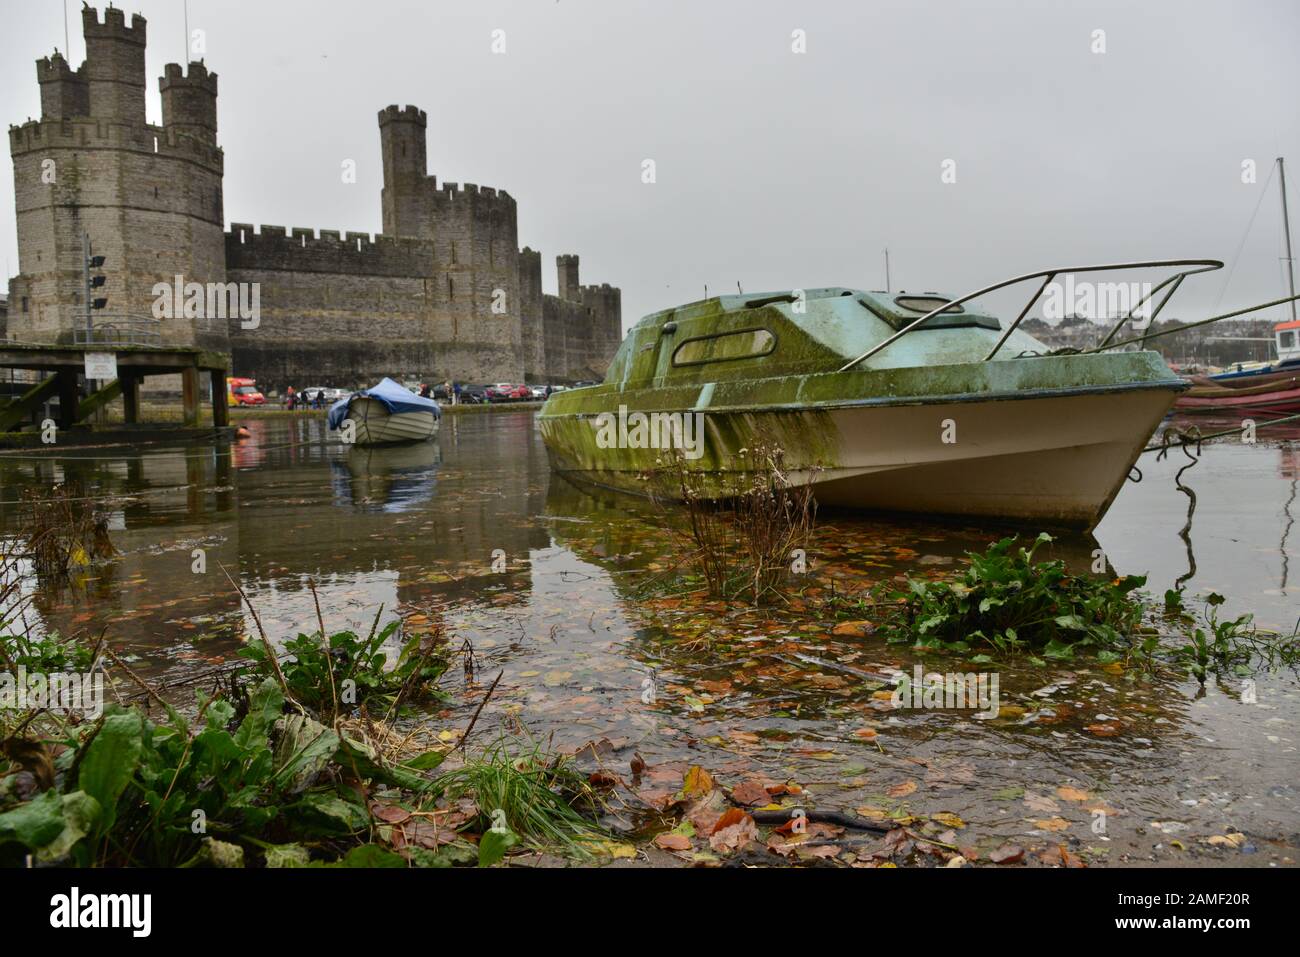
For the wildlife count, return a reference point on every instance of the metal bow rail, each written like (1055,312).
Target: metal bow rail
(1047,275)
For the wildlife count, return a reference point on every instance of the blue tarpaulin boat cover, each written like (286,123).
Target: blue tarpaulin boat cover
(396,398)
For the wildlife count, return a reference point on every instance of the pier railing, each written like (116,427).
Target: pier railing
(120,330)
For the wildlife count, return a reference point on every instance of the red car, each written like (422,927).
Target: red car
(506,392)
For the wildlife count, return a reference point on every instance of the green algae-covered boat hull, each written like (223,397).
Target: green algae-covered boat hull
(897,402)
(1046,439)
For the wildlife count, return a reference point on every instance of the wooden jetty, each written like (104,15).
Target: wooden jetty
(134,364)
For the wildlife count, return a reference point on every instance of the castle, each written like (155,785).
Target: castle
(444,293)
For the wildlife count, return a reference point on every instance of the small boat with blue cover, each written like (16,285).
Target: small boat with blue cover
(384,414)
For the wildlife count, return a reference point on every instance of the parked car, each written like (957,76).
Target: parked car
(541,391)
(508,392)
(330,394)
(473,394)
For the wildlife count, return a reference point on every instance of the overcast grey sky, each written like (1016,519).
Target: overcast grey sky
(774,169)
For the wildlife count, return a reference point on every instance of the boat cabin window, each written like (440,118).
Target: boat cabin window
(925,304)
(724,346)
(1286,340)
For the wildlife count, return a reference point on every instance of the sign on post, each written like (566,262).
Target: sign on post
(101,365)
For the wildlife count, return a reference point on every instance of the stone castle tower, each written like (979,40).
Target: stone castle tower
(444,292)
(148,197)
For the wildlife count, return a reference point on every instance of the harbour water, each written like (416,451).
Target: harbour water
(546,583)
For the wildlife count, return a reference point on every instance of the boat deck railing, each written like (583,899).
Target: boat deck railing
(1192,266)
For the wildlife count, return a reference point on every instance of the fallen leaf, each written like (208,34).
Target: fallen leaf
(697,781)
(733,836)
(1234,840)
(1072,794)
(750,793)
(1007,854)
(1052,824)
(1103,730)
(673,842)
(902,790)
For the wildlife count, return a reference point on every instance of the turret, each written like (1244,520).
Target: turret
(402,140)
(567,268)
(114,66)
(189,102)
(63,92)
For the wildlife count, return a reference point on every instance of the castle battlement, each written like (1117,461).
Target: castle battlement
(198,76)
(248,232)
(450,191)
(55,67)
(407,114)
(113,26)
(298,249)
(81,133)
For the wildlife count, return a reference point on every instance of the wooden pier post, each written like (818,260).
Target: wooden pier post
(220,398)
(190,395)
(69,397)
(130,397)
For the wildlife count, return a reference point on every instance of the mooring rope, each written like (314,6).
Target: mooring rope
(1194,435)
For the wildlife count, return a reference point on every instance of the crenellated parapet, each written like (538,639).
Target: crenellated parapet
(113,26)
(274,248)
(403,114)
(87,133)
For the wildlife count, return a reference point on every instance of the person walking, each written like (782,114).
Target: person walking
(290,398)
(455,393)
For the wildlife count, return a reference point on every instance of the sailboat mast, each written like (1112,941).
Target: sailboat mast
(1286,230)
(887,289)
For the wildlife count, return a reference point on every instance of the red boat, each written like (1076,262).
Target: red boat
(1273,388)
(1281,396)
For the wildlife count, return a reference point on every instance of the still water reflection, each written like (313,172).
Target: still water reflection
(473,534)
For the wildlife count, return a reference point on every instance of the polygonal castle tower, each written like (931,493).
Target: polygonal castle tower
(148,197)
(443,293)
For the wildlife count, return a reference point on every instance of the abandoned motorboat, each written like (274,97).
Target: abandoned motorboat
(385,414)
(892,402)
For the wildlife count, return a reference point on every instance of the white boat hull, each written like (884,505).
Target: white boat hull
(1053,460)
(375,425)
(1059,460)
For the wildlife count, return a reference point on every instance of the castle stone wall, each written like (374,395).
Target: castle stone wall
(444,293)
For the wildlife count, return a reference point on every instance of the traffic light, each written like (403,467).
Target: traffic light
(92,281)
(96,281)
